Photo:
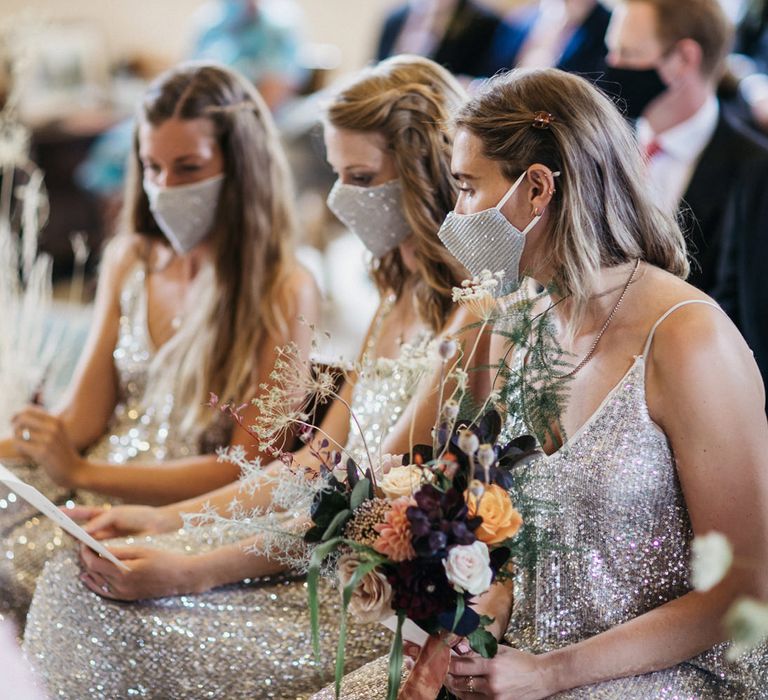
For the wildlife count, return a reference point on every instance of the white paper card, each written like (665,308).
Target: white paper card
(411,632)
(32,496)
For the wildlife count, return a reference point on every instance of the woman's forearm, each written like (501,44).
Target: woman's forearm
(496,602)
(231,564)
(663,637)
(222,498)
(158,483)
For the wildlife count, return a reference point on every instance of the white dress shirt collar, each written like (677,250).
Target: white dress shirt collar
(670,171)
(684,141)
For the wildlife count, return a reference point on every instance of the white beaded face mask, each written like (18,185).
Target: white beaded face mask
(487,240)
(374,214)
(186,213)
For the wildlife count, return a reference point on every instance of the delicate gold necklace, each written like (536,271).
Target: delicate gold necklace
(608,320)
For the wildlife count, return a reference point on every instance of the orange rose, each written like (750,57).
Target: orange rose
(500,519)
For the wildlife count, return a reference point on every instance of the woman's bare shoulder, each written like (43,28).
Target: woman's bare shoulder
(120,255)
(696,350)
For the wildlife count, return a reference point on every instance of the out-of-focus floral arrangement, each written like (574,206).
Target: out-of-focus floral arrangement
(31,347)
(415,537)
(747,619)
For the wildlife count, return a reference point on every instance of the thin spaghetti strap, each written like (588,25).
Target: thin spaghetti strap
(667,313)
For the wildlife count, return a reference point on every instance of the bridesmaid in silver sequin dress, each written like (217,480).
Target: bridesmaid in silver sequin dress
(191,273)
(662,435)
(251,639)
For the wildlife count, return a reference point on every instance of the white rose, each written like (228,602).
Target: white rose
(712,557)
(404,481)
(468,569)
(371,600)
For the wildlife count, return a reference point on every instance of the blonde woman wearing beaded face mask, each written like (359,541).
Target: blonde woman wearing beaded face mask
(387,126)
(662,436)
(195,292)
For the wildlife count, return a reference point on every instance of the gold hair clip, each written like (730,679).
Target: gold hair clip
(542,120)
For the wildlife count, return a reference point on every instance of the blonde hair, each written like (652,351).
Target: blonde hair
(237,303)
(601,214)
(408,100)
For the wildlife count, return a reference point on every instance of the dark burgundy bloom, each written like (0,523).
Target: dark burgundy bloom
(421,589)
(439,520)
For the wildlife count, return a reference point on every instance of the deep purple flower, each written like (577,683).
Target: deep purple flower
(439,520)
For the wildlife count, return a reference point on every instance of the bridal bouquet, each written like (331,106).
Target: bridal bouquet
(426,538)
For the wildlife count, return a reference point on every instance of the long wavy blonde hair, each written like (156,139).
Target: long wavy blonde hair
(408,100)
(238,300)
(601,213)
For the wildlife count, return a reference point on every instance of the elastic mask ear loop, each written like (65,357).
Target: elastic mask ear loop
(510,191)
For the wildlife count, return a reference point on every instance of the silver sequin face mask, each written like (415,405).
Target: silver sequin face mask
(487,240)
(374,214)
(185,214)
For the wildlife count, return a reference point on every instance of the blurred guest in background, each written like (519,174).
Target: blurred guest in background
(259,38)
(665,59)
(566,34)
(742,285)
(458,34)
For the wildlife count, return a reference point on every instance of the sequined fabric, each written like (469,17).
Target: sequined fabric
(245,641)
(138,430)
(374,214)
(485,240)
(14,513)
(383,389)
(248,641)
(142,429)
(368,682)
(625,536)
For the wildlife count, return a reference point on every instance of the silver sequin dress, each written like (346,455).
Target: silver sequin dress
(139,429)
(619,546)
(244,641)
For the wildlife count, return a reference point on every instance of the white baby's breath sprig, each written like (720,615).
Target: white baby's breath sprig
(479,294)
(712,556)
(747,625)
(275,530)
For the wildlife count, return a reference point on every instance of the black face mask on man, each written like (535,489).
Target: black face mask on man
(636,88)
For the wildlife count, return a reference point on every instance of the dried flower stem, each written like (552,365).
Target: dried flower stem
(439,407)
(362,437)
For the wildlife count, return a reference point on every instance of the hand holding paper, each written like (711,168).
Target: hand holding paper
(49,509)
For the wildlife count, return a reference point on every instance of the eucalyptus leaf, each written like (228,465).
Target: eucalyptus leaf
(337,524)
(359,493)
(313,574)
(483,642)
(459,612)
(396,660)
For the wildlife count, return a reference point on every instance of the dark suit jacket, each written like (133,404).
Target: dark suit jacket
(717,178)
(741,286)
(585,52)
(466,48)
